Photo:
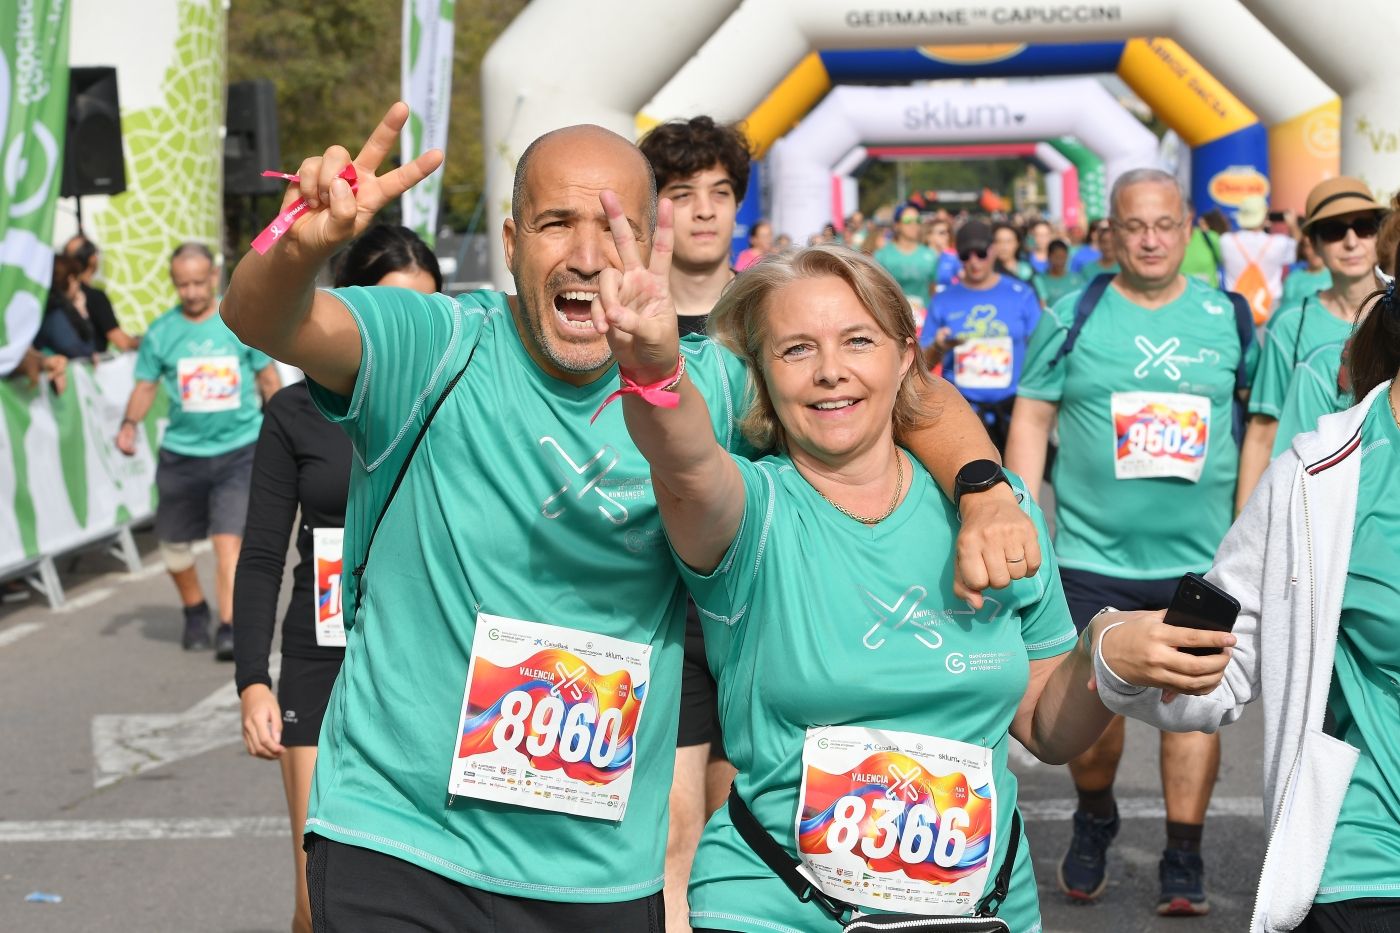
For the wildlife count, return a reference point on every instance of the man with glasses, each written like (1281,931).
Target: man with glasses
(984,322)
(913,265)
(1144,485)
(1341,223)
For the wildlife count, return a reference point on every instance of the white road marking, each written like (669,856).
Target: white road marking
(13,634)
(126,745)
(244,827)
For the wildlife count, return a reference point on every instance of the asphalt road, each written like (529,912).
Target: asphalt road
(145,820)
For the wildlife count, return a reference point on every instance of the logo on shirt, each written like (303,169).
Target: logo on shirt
(906,611)
(982,321)
(1165,357)
(582,482)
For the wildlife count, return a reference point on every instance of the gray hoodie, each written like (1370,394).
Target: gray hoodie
(1285,559)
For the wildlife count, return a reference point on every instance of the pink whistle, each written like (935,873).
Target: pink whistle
(273,231)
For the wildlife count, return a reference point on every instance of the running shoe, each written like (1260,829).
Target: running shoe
(196,636)
(1083,871)
(1183,878)
(223,642)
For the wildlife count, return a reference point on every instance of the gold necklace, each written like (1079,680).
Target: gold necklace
(894,502)
(1389,400)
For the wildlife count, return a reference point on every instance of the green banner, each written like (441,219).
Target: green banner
(426,75)
(33,118)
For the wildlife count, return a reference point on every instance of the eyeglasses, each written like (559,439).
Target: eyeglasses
(1165,227)
(1332,231)
(908,220)
(966,254)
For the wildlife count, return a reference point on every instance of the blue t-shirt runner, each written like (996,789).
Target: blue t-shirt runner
(992,326)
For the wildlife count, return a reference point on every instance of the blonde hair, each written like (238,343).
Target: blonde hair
(739,323)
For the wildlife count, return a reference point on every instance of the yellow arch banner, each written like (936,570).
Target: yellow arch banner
(1182,92)
(787,104)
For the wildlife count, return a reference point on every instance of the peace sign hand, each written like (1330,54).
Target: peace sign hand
(634,307)
(334,214)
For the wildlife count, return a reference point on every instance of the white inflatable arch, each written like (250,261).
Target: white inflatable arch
(723,57)
(801,164)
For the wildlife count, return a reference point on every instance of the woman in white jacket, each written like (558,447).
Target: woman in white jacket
(1314,560)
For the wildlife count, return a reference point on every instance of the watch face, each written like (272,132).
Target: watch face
(979,473)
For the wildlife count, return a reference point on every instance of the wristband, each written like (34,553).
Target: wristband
(663,394)
(273,232)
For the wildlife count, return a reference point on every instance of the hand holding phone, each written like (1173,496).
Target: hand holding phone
(1200,604)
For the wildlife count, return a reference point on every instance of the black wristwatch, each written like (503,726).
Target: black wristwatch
(977,476)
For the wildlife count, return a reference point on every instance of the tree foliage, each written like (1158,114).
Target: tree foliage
(336,69)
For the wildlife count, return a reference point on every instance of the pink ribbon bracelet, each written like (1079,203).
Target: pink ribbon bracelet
(662,394)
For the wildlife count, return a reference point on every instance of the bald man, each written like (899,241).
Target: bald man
(498,749)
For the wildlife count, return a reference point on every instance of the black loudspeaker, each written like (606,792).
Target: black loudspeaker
(93,160)
(250,145)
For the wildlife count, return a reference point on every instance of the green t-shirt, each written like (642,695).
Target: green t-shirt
(1133,395)
(515,506)
(1364,860)
(1199,261)
(1051,288)
(1302,283)
(211,378)
(813,619)
(1312,393)
(1291,334)
(914,271)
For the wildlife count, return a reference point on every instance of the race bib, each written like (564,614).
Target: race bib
(897,821)
(550,718)
(983,363)
(209,383)
(1160,434)
(920,309)
(326,552)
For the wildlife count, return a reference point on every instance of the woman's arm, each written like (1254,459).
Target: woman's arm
(1031,420)
(698,487)
(272,509)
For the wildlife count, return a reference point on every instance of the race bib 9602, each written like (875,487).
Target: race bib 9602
(550,718)
(1160,434)
(895,820)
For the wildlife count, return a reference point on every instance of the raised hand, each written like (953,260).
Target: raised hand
(335,214)
(634,307)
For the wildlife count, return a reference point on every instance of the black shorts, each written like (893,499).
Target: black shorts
(699,722)
(202,496)
(303,688)
(1087,593)
(356,889)
(1361,915)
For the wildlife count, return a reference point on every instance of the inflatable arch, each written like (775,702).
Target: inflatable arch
(724,57)
(801,163)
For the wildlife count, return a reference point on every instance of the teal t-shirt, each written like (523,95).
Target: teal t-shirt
(1200,259)
(1145,476)
(211,378)
(1290,335)
(1052,288)
(1364,859)
(915,272)
(518,507)
(1303,283)
(813,619)
(1313,392)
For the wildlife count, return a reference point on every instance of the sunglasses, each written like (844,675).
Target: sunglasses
(1333,231)
(966,254)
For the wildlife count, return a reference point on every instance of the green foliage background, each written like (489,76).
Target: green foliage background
(336,69)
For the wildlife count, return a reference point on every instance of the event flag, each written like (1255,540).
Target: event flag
(33,118)
(427,89)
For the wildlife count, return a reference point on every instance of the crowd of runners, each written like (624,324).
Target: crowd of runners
(677,591)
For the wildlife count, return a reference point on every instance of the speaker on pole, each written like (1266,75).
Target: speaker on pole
(93,159)
(250,144)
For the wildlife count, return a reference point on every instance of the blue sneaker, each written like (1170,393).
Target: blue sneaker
(1082,872)
(1183,878)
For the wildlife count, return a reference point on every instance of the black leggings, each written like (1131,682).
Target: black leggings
(1361,915)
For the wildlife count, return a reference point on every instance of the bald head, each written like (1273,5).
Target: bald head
(584,145)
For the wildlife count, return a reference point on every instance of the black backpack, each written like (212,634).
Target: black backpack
(1244,326)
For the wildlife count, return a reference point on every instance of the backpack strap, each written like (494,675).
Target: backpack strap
(1216,258)
(1088,301)
(1244,327)
(403,469)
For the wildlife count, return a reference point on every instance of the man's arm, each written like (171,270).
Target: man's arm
(269,382)
(997,542)
(1255,454)
(142,396)
(122,340)
(272,303)
(1031,420)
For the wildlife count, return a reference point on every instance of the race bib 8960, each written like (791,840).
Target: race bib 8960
(550,718)
(895,820)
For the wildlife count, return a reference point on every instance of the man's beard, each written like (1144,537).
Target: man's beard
(535,333)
